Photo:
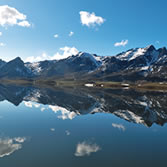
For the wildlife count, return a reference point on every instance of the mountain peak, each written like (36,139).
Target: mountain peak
(84,54)
(17,59)
(162,51)
(150,48)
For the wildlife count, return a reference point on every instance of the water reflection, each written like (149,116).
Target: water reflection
(85,149)
(31,104)
(119,126)
(10,145)
(82,127)
(52,129)
(65,114)
(144,108)
(67,132)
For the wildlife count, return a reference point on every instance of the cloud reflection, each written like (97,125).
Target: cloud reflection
(52,129)
(119,126)
(65,114)
(28,104)
(67,132)
(31,104)
(10,145)
(85,149)
(20,139)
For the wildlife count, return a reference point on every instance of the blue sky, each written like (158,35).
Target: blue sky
(137,23)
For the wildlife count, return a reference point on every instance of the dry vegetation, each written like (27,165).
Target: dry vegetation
(96,84)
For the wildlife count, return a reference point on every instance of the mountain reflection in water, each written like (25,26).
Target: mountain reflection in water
(144,108)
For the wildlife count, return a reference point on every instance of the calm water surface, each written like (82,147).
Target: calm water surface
(82,127)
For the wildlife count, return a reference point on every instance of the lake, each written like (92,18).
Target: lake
(51,127)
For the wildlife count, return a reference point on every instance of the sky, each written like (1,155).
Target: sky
(54,29)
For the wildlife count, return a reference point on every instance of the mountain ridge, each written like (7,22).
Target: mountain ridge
(135,64)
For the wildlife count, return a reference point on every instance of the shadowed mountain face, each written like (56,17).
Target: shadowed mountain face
(14,69)
(138,107)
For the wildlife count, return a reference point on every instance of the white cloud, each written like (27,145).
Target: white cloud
(0,33)
(71,34)
(2,44)
(24,24)
(56,35)
(67,51)
(11,16)
(90,19)
(122,43)
(64,53)
(44,56)
(119,126)
(85,148)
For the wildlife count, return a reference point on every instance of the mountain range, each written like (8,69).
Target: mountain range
(149,64)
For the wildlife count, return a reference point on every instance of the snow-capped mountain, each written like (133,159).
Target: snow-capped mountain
(149,52)
(140,57)
(135,64)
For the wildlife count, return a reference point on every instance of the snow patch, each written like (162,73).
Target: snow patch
(34,67)
(131,54)
(128,115)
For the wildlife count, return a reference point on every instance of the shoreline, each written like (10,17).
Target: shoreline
(153,86)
